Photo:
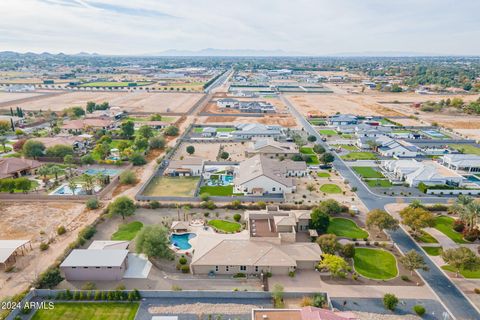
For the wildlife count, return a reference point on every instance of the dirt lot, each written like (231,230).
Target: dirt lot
(283,120)
(26,220)
(12,96)
(237,150)
(129,101)
(206,151)
(409,122)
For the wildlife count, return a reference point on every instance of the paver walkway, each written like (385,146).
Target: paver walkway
(443,240)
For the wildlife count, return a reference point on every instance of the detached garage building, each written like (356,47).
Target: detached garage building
(95,265)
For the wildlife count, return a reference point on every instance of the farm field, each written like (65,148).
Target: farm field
(172,187)
(129,101)
(12,96)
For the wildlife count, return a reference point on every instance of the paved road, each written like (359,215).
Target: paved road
(448,293)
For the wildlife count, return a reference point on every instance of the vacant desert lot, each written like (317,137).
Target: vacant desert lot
(25,220)
(12,96)
(206,151)
(129,101)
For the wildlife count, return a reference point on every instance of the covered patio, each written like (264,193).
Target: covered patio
(10,249)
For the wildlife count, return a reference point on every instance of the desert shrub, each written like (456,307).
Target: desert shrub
(390,301)
(306,302)
(419,310)
(154,204)
(405,278)
(237,217)
(128,177)
(87,232)
(92,203)
(44,246)
(185,269)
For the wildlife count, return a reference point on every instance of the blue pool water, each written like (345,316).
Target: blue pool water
(181,240)
(474,179)
(223,180)
(434,133)
(65,190)
(104,171)
(227,179)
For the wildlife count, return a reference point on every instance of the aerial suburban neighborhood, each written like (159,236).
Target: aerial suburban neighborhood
(236,184)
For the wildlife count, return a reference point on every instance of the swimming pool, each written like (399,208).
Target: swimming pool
(435,134)
(181,240)
(104,171)
(223,180)
(65,190)
(474,179)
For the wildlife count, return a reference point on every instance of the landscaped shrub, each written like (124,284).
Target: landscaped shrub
(419,310)
(237,217)
(458,225)
(44,246)
(182,260)
(92,204)
(306,302)
(476,290)
(87,232)
(390,301)
(291,274)
(128,177)
(405,278)
(61,230)
(471,235)
(154,204)
(239,275)
(89,286)
(319,300)
(348,250)
(185,269)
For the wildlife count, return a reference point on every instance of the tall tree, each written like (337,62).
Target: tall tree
(412,260)
(380,219)
(461,258)
(336,265)
(153,241)
(122,206)
(417,218)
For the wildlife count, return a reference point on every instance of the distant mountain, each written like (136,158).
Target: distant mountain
(211,52)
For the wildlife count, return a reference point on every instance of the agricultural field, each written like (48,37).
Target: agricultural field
(12,96)
(128,101)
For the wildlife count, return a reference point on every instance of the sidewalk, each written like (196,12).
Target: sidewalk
(443,240)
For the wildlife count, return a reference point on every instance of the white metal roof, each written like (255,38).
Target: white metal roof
(95,258)
(8,247)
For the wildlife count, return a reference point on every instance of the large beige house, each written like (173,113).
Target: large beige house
(272,148)
(261,175)
(271,245)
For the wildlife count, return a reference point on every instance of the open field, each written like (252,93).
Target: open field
(129,101)
(25,220)
(172,187)
(236,150)
(112,84)
(12,96)
(283,120)
(206,151)
(87,311)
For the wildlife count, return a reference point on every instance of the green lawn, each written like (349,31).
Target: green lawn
(112,84)
(360,156)
(225,226)
(465,273)
(444,224)
(426,237)
(330,188)
(88,311)
(346,228)
(375,263)
(346,146)
(323,174)
(307,150)
(313,159)
(127,231)
(467,148)
(317,122)
(222,191)
(379,183)
(433,251)
(327,132)
(368,172)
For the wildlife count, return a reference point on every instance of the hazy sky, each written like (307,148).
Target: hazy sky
(307,26)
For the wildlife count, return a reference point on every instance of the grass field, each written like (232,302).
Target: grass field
(360,156)
(313,159)
(127,231)
(375,263)
(327,132)
(225,226)
(368,172)
(222,191)
(330,188)
(112,84)
(465,273)
(467,148)
(444,224)
(379,183)
(346,228)
(88,311)
(323,174)
(346,146)
(307,150)
(426,237)
(172,187)
(433,251)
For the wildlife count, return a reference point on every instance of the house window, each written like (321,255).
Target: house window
(273,189)
(256,268)
(227,268)
(243,268)
(216,268)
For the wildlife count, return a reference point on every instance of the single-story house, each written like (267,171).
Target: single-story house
(272,148)
(427,172)
(261,175)
(305,313)
(95,264)
(369,142)
(256,130)
(186,167)
(398,149)
(153,124)
(17,167)
(227,103)
(342,119)
(232,256)
(209,132)
(464,162)
(80,125)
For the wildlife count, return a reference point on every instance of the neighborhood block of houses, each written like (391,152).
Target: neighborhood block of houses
(246,106)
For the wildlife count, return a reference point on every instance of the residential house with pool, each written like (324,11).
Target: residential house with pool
(245,131)
(461,162)
(261,175)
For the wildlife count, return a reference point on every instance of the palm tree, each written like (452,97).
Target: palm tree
(44,171)
(471,213)
(3,142)
(55,170)
(72,185)
(88,183)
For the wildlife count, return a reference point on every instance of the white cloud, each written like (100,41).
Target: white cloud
(310,26)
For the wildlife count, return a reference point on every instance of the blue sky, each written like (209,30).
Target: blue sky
(308,26)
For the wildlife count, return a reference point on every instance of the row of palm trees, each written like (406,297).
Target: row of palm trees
(468,211)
